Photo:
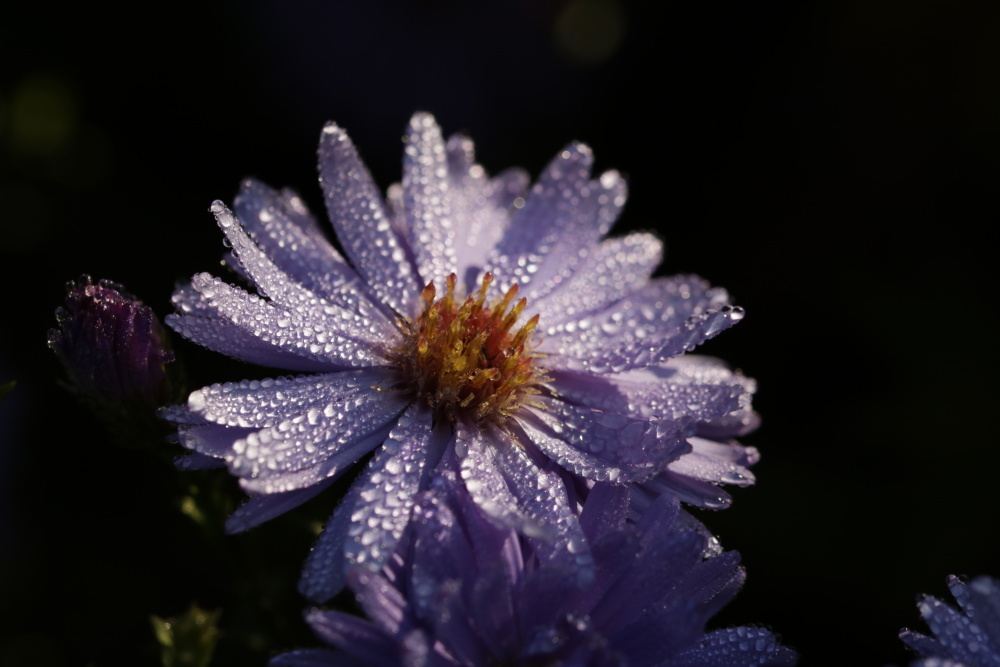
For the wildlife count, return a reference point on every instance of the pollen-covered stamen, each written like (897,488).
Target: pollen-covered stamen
(463,357)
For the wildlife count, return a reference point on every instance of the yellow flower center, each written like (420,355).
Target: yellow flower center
(462,357)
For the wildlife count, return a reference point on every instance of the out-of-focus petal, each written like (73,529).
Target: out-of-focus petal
(509,487)
(964,637)
(265,507)
(357,637)
(736,647)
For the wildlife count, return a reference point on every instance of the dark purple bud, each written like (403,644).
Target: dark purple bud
(113,347)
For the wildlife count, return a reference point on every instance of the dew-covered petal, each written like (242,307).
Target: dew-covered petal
(734,424)
(360,221)
(615,268)
(385,499)
(549,210)
(323,574)
(347,310)
(983,605)
(717,462)
(426,200)
(325,571)
(960,591)
(270,281)
(227,320)
(686,489)
(564,216)
(961,638)
(699,369)
(508,486)
(487,486)
(682,386)
(661,305)
(508,191)
(592,466)
(342,341)
(605,446)
(331,466)
(607,353)
(263,403)
(264,507)
(732,647)
(315,437)
(650,392)
(352,317)
(396,212)
(922,644)
(481,208)
(229,339)
(213,440)
(189,301)
(286,231)
(179,414)
(346,307)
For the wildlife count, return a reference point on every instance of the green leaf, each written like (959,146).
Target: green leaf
(187,640)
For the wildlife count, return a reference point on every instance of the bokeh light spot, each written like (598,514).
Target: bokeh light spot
(43,116)
(589,31)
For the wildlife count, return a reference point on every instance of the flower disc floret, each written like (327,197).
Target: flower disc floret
(465,357)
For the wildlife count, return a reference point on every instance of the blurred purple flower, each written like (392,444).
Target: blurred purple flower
(462,591)
(420,343)
(113,347)
(965,637)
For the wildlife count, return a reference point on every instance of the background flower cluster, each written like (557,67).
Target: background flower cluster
(832,165)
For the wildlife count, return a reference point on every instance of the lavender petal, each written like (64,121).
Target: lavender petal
(309,439)
(263,403)
(360,221)
(264,507)
(615,268)
(426,200)
(386,497)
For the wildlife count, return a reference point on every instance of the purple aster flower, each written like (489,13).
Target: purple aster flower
(113,347)
(471,315)
(965,637)
(461,590)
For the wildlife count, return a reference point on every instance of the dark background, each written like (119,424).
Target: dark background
(833,164)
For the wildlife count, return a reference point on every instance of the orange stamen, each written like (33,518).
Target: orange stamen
(461,356)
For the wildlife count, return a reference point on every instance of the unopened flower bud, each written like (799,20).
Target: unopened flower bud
(114,350)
